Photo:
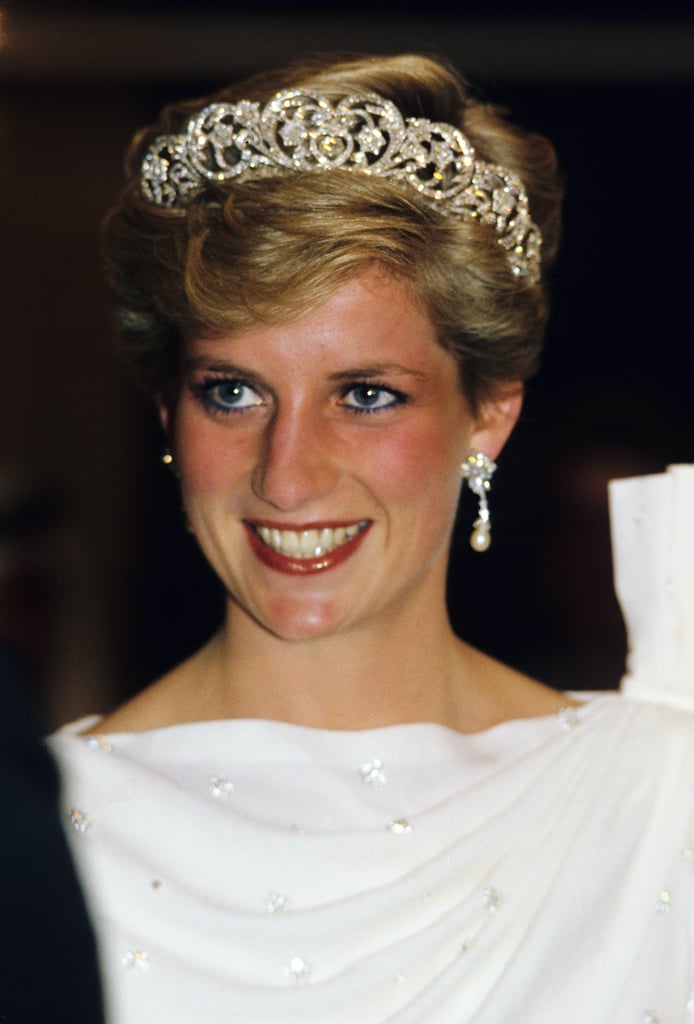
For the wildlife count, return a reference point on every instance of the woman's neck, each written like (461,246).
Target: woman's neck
(367,677)
(362,678)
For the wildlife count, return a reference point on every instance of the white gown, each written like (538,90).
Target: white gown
(540,872)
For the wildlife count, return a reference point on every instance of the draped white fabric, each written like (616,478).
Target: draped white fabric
(541,871)
(653,544)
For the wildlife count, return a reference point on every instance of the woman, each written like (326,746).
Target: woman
(330,277)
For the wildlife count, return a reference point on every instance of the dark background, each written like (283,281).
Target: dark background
(99,583)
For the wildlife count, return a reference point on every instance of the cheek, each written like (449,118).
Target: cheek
(208,458)
(417,467)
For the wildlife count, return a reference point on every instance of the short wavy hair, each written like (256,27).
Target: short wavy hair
(267,250)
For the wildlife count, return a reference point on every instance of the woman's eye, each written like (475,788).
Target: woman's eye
(372,397)
(228,395)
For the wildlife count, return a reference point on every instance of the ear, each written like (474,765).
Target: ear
(497,417)
(165,413)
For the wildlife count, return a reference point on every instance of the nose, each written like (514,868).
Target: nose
(296,461)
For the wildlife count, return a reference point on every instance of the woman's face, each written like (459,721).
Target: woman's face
(320,461)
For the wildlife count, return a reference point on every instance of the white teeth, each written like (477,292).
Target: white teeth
(307,543)
(287,542)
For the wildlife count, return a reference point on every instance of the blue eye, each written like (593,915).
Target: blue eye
(231,395)
(371,397)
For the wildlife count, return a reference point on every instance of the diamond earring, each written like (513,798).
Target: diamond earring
(477,472)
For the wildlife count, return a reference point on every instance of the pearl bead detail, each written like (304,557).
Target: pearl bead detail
(481,538)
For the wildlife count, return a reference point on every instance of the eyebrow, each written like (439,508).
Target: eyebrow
(370,372)
(377,370)
(218,366)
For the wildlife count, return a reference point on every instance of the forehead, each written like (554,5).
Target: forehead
(370,314)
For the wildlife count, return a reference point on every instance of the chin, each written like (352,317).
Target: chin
(294,623)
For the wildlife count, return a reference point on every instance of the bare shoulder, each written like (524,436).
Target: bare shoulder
(165,702)
(504,694)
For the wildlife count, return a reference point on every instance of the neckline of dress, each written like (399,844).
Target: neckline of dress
(565,718)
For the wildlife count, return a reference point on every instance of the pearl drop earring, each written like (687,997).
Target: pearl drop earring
(477,471)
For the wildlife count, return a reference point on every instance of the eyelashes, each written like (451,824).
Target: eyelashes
(227,395)
(371,397)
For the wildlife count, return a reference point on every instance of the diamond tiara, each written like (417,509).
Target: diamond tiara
(299,130)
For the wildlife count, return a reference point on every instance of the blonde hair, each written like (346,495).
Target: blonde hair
(266,250)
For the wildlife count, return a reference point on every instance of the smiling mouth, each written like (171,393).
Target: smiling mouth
(311,543)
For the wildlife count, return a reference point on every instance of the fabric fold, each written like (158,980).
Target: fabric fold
(652,520)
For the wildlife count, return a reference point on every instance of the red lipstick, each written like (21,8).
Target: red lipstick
(302,566)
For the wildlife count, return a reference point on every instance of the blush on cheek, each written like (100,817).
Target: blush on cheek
(208,459)
(409,458)
(201,473)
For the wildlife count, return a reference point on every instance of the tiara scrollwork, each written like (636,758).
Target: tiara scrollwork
(299,130)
